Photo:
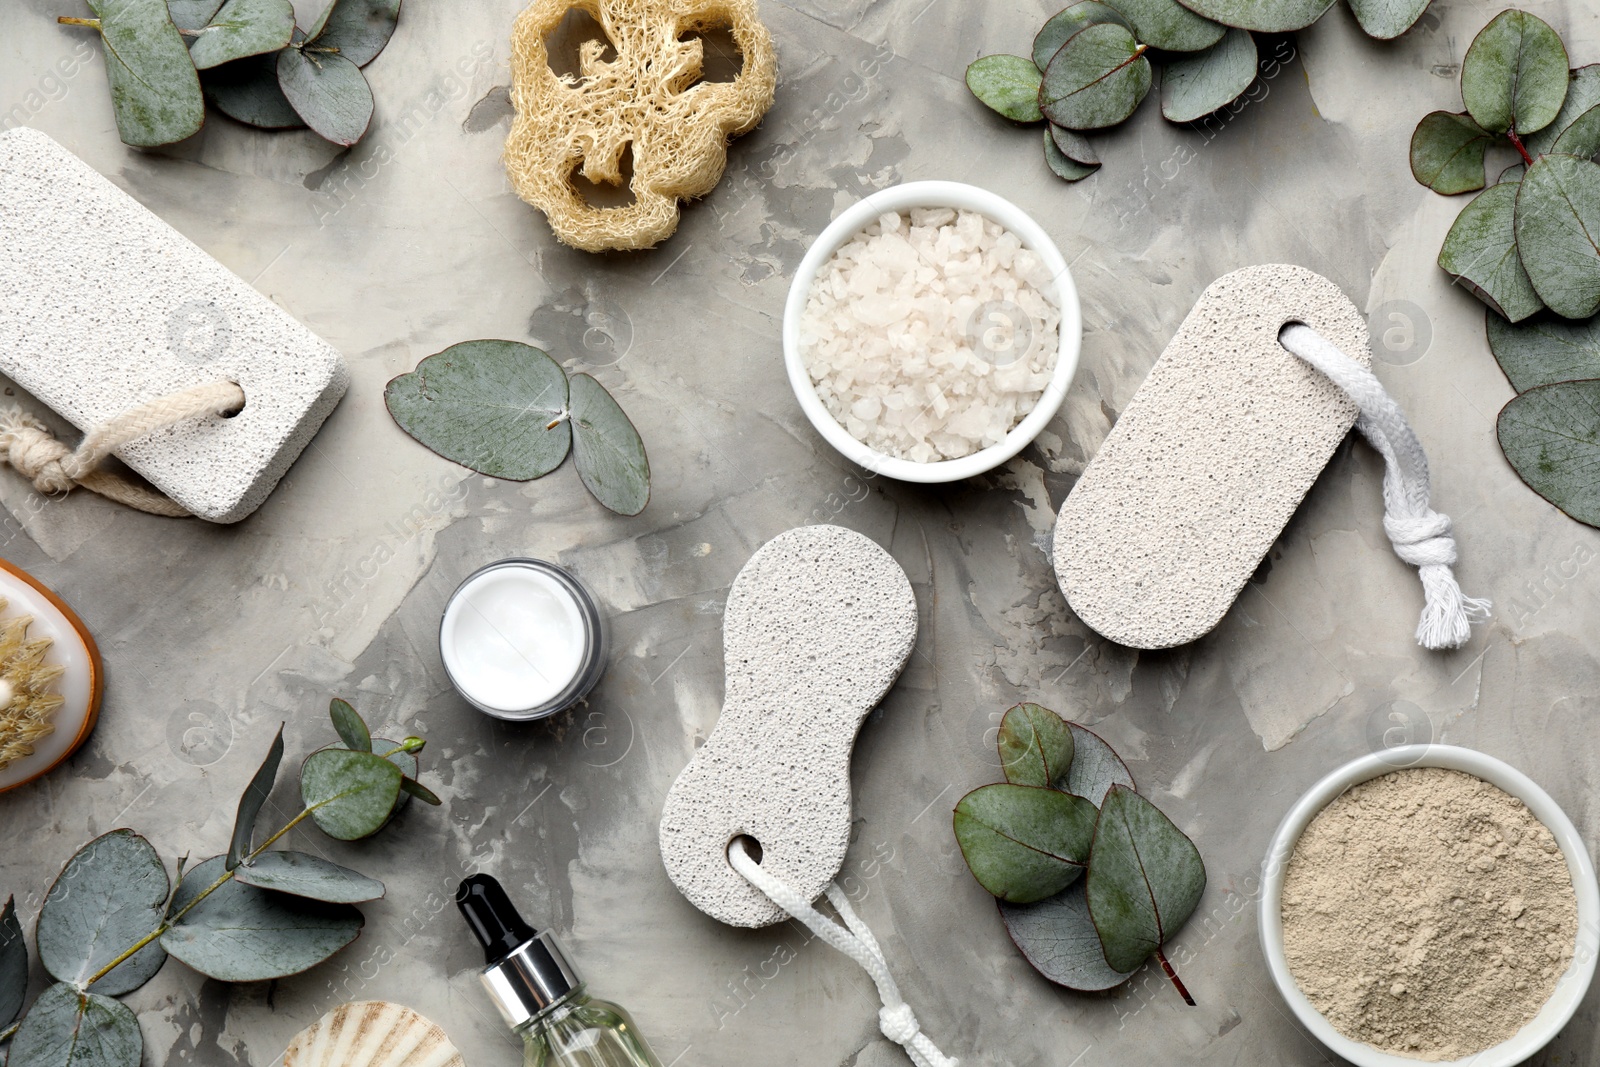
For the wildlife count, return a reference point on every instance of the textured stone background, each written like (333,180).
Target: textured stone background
(413,241)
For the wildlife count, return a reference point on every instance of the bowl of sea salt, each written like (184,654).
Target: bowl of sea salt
(931,331)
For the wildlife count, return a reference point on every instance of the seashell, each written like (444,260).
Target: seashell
(372,1033)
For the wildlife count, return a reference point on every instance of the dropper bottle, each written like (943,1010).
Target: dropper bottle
(539,993)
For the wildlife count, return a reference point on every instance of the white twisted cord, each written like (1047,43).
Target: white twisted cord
(1420,535)
(896,1019)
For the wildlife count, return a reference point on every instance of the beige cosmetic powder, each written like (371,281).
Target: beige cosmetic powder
(1428,913)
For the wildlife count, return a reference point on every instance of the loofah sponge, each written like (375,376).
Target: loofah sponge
(26,702)
(646,98)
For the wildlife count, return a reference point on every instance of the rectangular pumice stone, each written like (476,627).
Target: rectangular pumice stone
(104,306)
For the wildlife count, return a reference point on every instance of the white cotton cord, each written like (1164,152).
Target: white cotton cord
(896,1019)
(1420,535)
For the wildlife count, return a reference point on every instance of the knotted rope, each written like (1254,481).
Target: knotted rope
(896,1019)
(1420,535)
(29,446)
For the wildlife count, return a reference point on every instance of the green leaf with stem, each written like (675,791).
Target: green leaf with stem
(1551,436)
(349,794)
(607,448)
(1007,85)
(1199,85)
(1447,152)
(1023,843)
(13,964)
(155,92)
(66,1028)
(1068,21)
(1097,79)
(1035,746)
(1263,16)
(1514,75)
(356,29)
(1168,25)
(302,875)
(254,796)
(1480,251)
(108,894)
(352,729)
(241,29)
(1544,349)
(328,91)
(1583,93)
(1387,19)
(1557,227)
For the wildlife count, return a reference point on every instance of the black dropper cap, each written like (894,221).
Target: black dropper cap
(493,918)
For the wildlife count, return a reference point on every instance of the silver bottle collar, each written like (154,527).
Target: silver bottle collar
(529,980)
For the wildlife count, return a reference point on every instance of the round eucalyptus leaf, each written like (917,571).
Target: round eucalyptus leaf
(13,964)
(1074,145)
(607,449)
(1145,878)
(304,875)
(1168,25)
(243,28)
(1035,746)
(155,92)
(1581,138)
(1557,224)
(1480,251)
(247,91)
(1544,349)
(1068,21)
(1062,165)
(1096,767)
(1096,79)
(390,750)
(1058,938)
(1514,74)
(328,91)
(1023,843)
(1195,86)
(1447,152)
(1583,93)
(1008,85)
(192,14)
(243,934)
(357,29)
(66,1028)
(492,406)
(1264,16)
(351,794)
(1387,19)
(108,896)
(1551,436)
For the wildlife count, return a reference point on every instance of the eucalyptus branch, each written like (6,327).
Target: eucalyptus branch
(9,1032)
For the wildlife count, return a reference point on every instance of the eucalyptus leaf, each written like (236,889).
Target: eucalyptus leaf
(1074,145)
(243,934)
(303,875)
(1096,767)
(1387,19)
(492,406)
(243,28)
(1551,436)
(1060,164)
(1557,225)
(1035,746)
(247,91)
(192,14)
(1447,152)
(1264,16)
(1068,21)
(1008,85)
(155,92)
(420,791)
(1168,25)
(13,964)
(328,91)
(351,794)
(1581,138)
(1514,75)
(390,750)
(1544,349)
(1196,86)
(607,449)
(1097,79)
(66,1028)
(1583,93)
(1480,251)
(255,795)
(1057,936)
(1145,878)
(352,729)
(1514,173)
(1023,843)
(108,896)
(357,29)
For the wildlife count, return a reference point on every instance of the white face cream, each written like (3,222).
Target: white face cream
(521,639)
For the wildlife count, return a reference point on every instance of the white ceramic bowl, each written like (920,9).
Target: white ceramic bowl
(933,194)
(1570,988)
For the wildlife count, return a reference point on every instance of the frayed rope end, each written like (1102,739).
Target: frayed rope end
(1447,613)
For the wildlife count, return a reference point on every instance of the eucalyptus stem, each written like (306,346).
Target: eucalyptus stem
(1516,142)
(68,20)
(9,1032)
(1176,981)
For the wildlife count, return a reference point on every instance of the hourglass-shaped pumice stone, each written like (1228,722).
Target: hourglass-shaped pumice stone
(817,627)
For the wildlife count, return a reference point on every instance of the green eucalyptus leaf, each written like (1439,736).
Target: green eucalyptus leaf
(420,791)
(243,934)
(1068,21)
(1581,138)
(492,406)
(1057,936)
(1515,74)
(1168,25)
(155,92)
(1196,86)
(1008,85)
(66,1028)
(192,14)
(395,754)
(1447,152)
(1145,878)
(247,91)
(108,896)
(1583,93)
(607,449)
(351,794)
(1263,16)
(1096,767)
(1387,19)
(1023,843)
(1097,79)
(1480,251)
(1514,173)
(1074,145)
(1544,349)
(243,28)
(328,91)
(1557,226)
(1035,746)
(255,795)
(1551,436)
(357,29)
(13,964)
(1062,165)
(302,875)
(352,729)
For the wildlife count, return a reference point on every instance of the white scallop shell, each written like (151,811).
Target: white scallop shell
(372,1033)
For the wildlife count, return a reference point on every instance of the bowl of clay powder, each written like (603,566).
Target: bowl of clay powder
(931,331)
(1430,903)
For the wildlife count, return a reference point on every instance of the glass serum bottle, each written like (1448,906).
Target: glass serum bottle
(539,993)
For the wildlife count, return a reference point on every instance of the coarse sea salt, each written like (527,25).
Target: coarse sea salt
(931,334)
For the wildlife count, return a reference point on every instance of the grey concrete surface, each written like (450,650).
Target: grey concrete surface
(412,241)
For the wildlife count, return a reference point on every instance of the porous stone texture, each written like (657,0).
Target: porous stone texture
(1208,461)
(104,306)
(818,625)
